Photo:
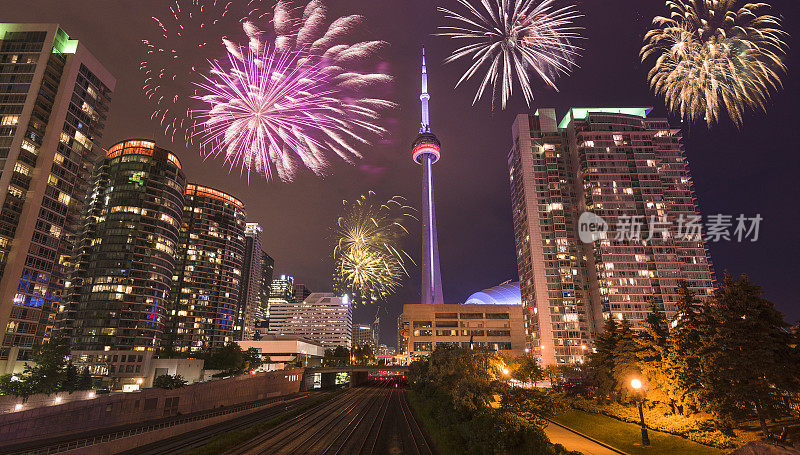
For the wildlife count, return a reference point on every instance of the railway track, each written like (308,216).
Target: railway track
(368,420)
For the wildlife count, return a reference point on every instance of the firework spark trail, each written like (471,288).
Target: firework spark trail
(369,260)
(178,50)
(715,55)
(509,40)
(296,93)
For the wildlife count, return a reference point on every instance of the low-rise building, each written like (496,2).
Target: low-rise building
(491,318)
(286,349)
(322,317)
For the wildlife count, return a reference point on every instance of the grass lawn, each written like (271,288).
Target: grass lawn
(627,437)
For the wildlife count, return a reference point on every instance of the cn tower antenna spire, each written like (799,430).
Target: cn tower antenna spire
(424,97)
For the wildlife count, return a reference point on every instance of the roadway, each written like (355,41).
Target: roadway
(365,420)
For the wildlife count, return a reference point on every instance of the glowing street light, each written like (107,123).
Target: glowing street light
(505,371)
(636,385)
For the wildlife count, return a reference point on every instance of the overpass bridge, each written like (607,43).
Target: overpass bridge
(359,374)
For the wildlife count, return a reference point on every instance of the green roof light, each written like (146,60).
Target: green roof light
(582,113)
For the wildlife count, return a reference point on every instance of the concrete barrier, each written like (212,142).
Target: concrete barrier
(119,410)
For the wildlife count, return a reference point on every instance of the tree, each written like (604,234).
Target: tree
(257,335)
(364,355)
(252,359)
(229,358)
(70,382)
(85,381)
(625,358)
(601,362)
(749,357)
(652,350)
(166,381)
(526,369)
(682,367)
(46,375)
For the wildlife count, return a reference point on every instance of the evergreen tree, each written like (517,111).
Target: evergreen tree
(652,350)
(601,362)
(682,366)
(625,358)
(750,355)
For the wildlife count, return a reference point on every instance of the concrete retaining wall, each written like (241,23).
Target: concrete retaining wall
(118,410)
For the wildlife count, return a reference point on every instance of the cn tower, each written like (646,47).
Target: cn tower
(426,152)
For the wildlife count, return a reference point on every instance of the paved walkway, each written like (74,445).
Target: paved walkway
(574,441)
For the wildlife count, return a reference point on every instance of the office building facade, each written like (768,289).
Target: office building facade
(496,327)
(322,317)
(54,101)
(125,259)
(208,273)
(614,165)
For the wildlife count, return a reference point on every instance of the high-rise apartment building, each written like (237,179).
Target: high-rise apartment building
(249,307)
(628,175)
(54,102)
(322,317)
(551,267)
(208,273)
(120,286)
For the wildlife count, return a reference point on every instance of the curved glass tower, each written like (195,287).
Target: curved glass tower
(208,272)
(426,152)
(126,253)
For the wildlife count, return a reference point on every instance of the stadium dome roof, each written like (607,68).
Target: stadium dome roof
(507,293)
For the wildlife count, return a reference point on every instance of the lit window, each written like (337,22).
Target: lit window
(9,120)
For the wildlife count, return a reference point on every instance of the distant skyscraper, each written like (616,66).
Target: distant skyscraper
(426,152)
(613,163)
(321,317)
(364,334)
(125,259)
(209,270)
(249,305)
(54,101)
(265,285)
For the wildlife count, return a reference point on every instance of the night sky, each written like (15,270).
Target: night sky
(751,171)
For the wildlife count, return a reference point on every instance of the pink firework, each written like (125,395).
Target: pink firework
(177,50)
(275,111)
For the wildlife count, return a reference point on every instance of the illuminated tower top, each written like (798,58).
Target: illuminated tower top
(426,144)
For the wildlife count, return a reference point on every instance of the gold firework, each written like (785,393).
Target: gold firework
(369,260)
(713,55)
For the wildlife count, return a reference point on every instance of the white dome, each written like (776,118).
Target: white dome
(507,293)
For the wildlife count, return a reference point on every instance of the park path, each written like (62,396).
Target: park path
(574,441)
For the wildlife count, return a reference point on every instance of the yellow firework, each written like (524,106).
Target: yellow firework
(369,259)
(714,56)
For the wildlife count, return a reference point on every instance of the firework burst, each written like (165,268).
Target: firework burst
(509,41)
(715,55)
(369,260)
(177,51)
(297,93)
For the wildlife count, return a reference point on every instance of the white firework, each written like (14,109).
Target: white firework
(510,41)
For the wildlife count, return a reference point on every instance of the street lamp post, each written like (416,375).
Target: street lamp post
(637,385)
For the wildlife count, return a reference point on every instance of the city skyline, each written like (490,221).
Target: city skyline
(477,142)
